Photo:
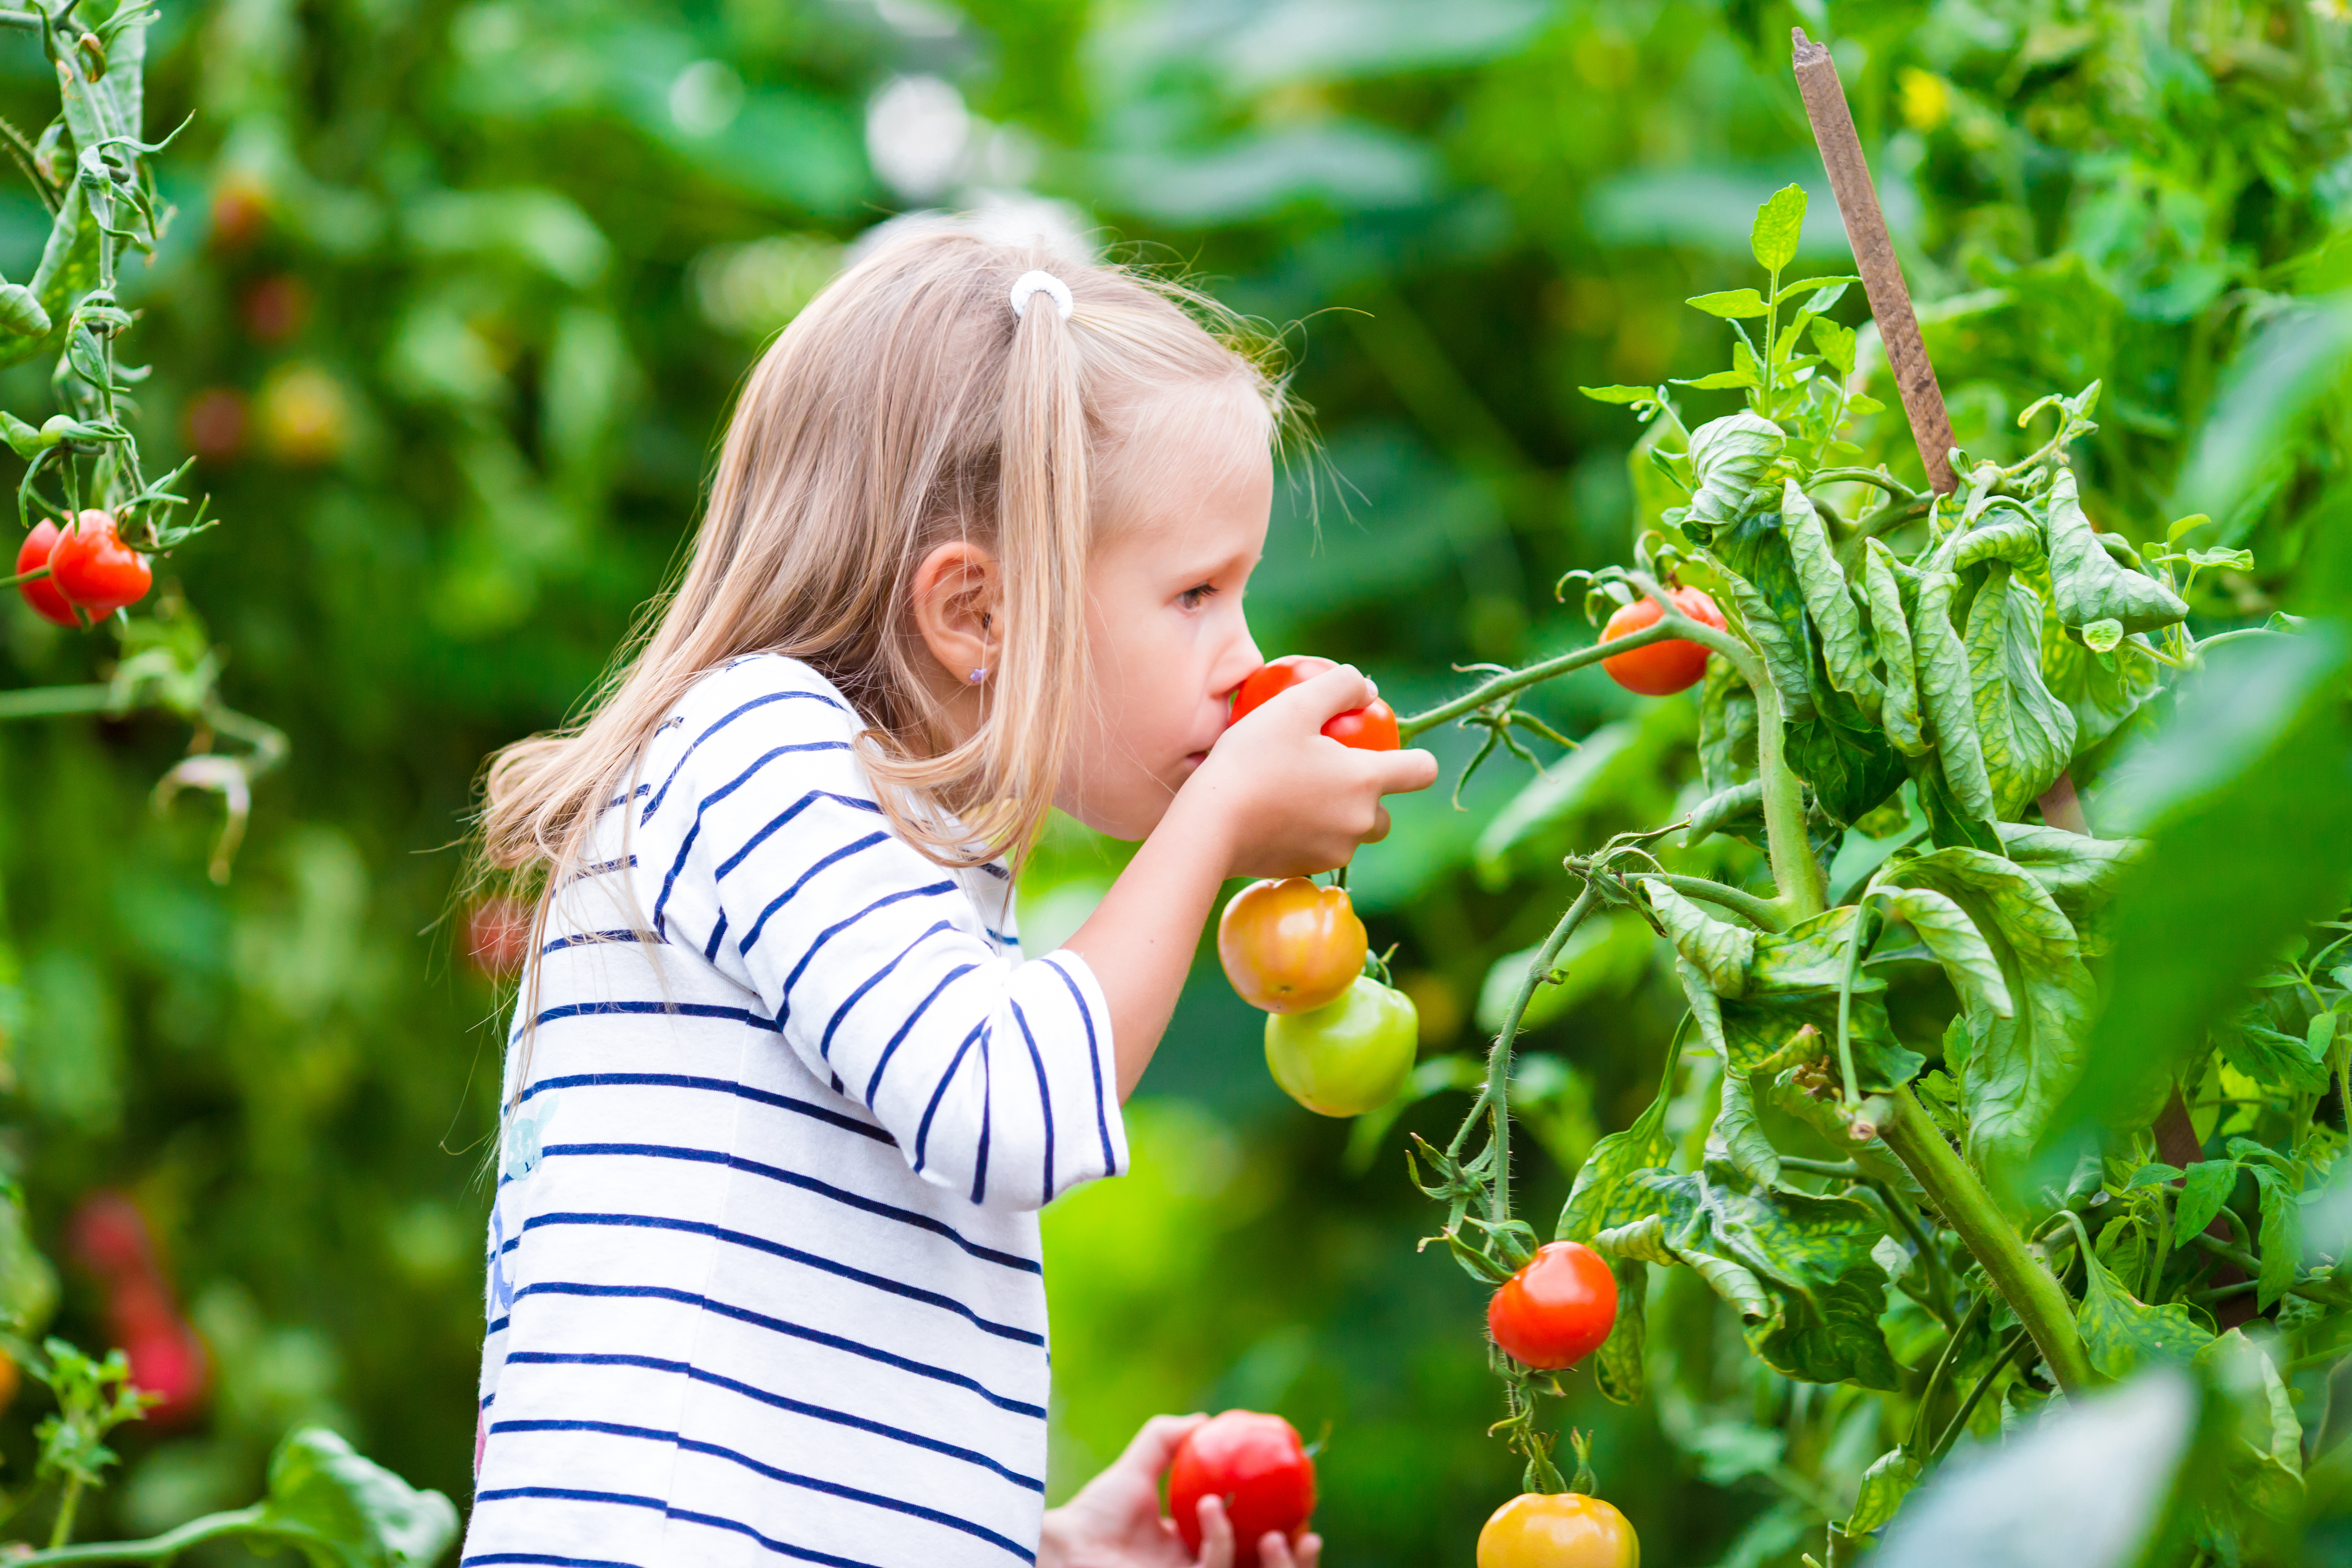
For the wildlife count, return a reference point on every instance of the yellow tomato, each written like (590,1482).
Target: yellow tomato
(1560,1530)
(1291,946)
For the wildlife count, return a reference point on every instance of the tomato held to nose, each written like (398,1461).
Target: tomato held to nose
(1347,1058)
(1256,1465)
(1291,946)
(1563,1530)
(1372,728)
(1662,668)
(93,568)
(42,591)
(1558,1309)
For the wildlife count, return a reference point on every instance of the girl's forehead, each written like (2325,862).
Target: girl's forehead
(1170,454)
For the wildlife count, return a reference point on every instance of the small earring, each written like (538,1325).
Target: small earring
(979,674)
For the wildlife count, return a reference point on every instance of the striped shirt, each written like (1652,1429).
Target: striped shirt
(764,1276)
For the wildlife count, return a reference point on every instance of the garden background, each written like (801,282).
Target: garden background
(451,312)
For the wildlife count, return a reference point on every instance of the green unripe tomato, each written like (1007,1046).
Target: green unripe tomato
(1344,1058)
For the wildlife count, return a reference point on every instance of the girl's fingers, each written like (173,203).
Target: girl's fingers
(1216,1534)
(1379,824)
(1309,1551)
(1153,1445)
(1402,773)
(1331,693)
(1276,1549)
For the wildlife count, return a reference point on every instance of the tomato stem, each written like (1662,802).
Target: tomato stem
(1495,1097)
(1520,679)
(2023,1280)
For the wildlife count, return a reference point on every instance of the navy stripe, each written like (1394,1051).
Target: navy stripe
(601,867)
(782,1402)
(998,937)
(721,793)
(790,1477)
(997,871)
(679,1009)
(786,815)
(590,939)
(497,1327)
(711,948)
(654,805)
(874,1084)
(1044,1097)
(824,1044)
(795,1331)
(781,899)
(923,1132)
(1094,1057)
(931,890)
(987,1105)
(637,794)
(711,1085)
(793,1254)
(794,1179)
(545,1557)
(624,1499)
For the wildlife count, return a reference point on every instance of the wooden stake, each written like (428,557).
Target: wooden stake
(1874,257)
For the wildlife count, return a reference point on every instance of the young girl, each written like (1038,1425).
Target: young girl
(782,1098)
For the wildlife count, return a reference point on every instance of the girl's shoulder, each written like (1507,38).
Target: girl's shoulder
(757,695)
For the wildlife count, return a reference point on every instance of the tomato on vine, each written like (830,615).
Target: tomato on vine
(41,593)
(94,570)
(1560,1530)
(1372,728)
(1291,946)
(1557,1309)
(1260,1470)
(1662,668)
(1349,1057)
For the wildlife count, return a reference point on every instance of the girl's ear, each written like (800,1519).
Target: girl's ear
(958,591)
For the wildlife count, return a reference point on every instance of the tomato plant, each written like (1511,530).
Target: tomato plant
(1349,1056)
(1662,668)
(1372,728)
(1556,1308)
(1256,1466)
(1290,946)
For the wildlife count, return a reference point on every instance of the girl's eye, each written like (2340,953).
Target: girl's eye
(1192,599)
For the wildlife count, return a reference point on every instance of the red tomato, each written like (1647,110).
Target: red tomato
(1562,1530)
(42,591)
(1258,1466)
(166,1357)
(1372,728)
(1291,946)
(1662,668)
(1555,1312)
(93,568)
(215,421)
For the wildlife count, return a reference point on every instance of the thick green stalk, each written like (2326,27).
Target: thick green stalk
(1503,685)
(48,701)
(2028,1288)
(156,1549)
(1763,911)
(1496,1099)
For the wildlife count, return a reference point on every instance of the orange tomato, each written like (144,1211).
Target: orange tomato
(1291,946)
(1563,1530)
(1662,668)
(9,1378)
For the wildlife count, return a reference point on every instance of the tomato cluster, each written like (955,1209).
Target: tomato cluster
(91,570)
(1256,1466)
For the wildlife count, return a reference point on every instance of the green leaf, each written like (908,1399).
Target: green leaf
(1837,344)
(1730,303)
(340,1510)
(1947,697)
(1968,959)
(1727,457)
(2089,585)
(2101,689)
(1784,656)
(2012,539)
(28,1285)
(1792,985)
(2026,733)
(1885,1485)
(1838,282)
(2103,636)
(1726,730)
(1890,638)
(1617,1365)
(2081,872)
(2202,1194)
(2123,1335)
(1720,950)
(1779,224)
(1740,1137)
(2281,1238)
(2019,1067)
(1742,804)
(1607,1193)
(1720,380)
(1621,393)
(1829,599)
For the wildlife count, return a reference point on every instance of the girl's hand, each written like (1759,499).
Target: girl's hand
(1114,1522)
(1285,800)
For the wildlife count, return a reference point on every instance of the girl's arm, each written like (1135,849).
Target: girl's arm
(1275,797)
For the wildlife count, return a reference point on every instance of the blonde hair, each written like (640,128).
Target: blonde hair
(907,406)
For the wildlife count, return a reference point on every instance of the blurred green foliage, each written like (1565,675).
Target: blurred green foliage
(451,312)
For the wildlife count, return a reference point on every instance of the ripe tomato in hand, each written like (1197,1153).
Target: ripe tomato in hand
(1562,1530)
(1555,1312)
(1291,946)
(42,591)
(1256,1465)
(93,568)
(1372,728)
(1347,1058)
(1662,668)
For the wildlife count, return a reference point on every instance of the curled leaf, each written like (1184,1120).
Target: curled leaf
(1718,950)
(1949,934)
(2026,734)
(1947,697)
(1829,600)
(2087,582)
(1727,457)
(1890,637)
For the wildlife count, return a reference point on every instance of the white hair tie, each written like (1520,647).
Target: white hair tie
(1030,283)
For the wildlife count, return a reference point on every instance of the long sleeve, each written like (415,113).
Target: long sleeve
(994,1075)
